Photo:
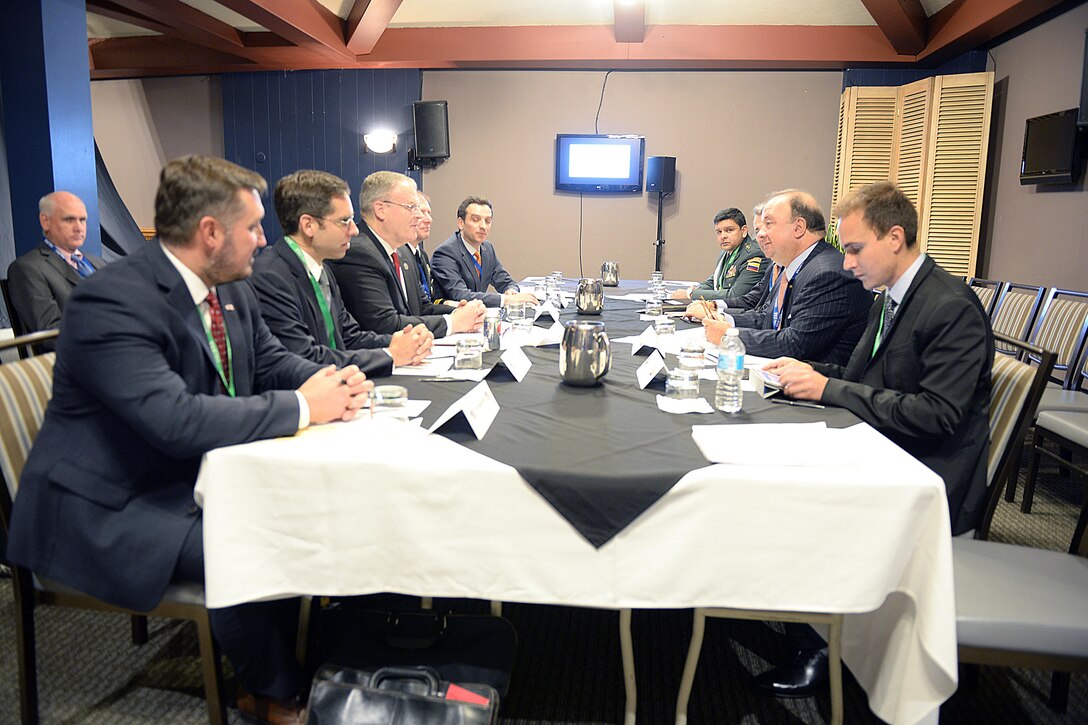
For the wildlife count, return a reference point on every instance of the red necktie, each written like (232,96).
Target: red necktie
(400,275)
(479,262)
(219,331)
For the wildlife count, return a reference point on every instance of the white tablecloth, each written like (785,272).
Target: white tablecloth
(370,507)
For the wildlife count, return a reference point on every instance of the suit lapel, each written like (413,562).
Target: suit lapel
(178,297)
(390,273)
(411,282)
(63,268)
(900,313)
(303,286)
(239,334)
(468,263)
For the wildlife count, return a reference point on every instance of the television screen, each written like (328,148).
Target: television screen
(599,163)
(1050,149)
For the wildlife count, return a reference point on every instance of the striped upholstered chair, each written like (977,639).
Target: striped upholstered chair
(1015,311)
(25,389)
(987,291)
(1062,328)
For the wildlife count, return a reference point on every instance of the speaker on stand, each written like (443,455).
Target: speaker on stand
(660,177)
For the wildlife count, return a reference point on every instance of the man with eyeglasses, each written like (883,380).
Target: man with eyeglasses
(301,302)
(380,282)
(42,280)
(419,254)
(465,265)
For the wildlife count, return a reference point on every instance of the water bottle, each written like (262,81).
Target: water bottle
(728,396)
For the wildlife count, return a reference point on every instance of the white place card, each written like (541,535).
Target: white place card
(549,336)
(687,405)
(547,308)
(648,370)
(477,405)
(516,362)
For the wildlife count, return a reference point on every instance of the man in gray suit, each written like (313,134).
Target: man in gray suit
(42,280)
(465,265)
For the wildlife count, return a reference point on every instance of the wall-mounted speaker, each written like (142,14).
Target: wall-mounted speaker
(430,120)
(661,174)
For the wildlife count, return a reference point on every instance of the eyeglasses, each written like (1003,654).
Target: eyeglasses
(412,208)
(342,223)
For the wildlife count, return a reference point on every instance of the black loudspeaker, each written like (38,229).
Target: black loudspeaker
(661,174)
(430,120)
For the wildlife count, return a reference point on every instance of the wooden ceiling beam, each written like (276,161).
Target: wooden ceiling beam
(629,17)
(968,24)
(161,55)
(903,22)
(115,12)
(305,23)
(187,22)
(366,22)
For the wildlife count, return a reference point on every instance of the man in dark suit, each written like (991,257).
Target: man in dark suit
(300,300)
(419,253)
(381,286)
(42,280)
(164,358)
(465,265)
(741,263)
(920,374)
(813,310)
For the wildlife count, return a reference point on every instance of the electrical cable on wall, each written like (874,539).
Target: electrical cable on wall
(596,120)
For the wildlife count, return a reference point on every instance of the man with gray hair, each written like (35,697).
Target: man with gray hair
(42,280)
(380,284)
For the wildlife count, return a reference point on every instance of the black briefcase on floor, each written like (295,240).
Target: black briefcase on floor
(460,647)
(397,696)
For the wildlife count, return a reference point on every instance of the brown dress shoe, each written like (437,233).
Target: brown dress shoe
(270,710)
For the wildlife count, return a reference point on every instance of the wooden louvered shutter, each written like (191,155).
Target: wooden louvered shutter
(869,136)
(951,207)
(840,148)
(911,130)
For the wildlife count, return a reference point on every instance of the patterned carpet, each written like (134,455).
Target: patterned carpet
(567,671)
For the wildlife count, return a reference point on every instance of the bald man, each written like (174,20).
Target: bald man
(42,280)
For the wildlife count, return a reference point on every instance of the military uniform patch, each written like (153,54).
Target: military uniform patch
(731,272)
(753,264)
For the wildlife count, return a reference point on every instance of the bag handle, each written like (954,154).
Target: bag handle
(426,675)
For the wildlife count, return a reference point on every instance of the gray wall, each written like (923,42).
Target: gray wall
(142,124)
(1037,234)
(736,136)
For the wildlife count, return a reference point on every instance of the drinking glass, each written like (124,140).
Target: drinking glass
(389,401)
(469,354)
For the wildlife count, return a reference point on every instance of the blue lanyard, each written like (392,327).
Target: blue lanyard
(478,265)
(82,266)
(423,275)
(775,312)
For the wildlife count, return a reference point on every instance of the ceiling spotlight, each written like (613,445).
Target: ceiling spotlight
(380,142)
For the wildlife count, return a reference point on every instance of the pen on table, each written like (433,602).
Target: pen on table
(798,403)
(440,380)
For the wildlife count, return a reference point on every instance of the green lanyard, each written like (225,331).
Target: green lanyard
(227,377)
(880,330)
(321,303)
(726,263)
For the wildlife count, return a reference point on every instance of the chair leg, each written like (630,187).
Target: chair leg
(139,630)
(695,649)
(834,666)
(24,642)
(627,651)
(1037,438)
(1059,692)
(302,639)
(1014,477)
(212,670)
(1065,454)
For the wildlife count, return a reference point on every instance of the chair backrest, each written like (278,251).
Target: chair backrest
(25,389)
(987,291)
(17,326)
(1015,311)
(29,344)
(1017,386)
(1062,327)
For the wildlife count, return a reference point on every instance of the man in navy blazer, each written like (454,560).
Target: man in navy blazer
(813,310)
(465,265)
(165,357)
(42,280)
(380,282)
(920,375)
(300,299)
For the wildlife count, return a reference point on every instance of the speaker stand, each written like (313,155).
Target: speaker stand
(660,241)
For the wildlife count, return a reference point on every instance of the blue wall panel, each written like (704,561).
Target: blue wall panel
(970,62)
(276,123)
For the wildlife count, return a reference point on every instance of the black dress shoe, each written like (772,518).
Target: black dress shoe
(803,676)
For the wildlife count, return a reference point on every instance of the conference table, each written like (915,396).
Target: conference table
(593,497)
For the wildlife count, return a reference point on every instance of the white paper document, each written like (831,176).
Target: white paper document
(516,362)
(791,444)
(477,405)
(687,405)
(649,369)
(429,367)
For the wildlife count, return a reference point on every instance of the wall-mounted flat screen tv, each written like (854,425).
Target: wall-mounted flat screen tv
(599,163)
(1051,154)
